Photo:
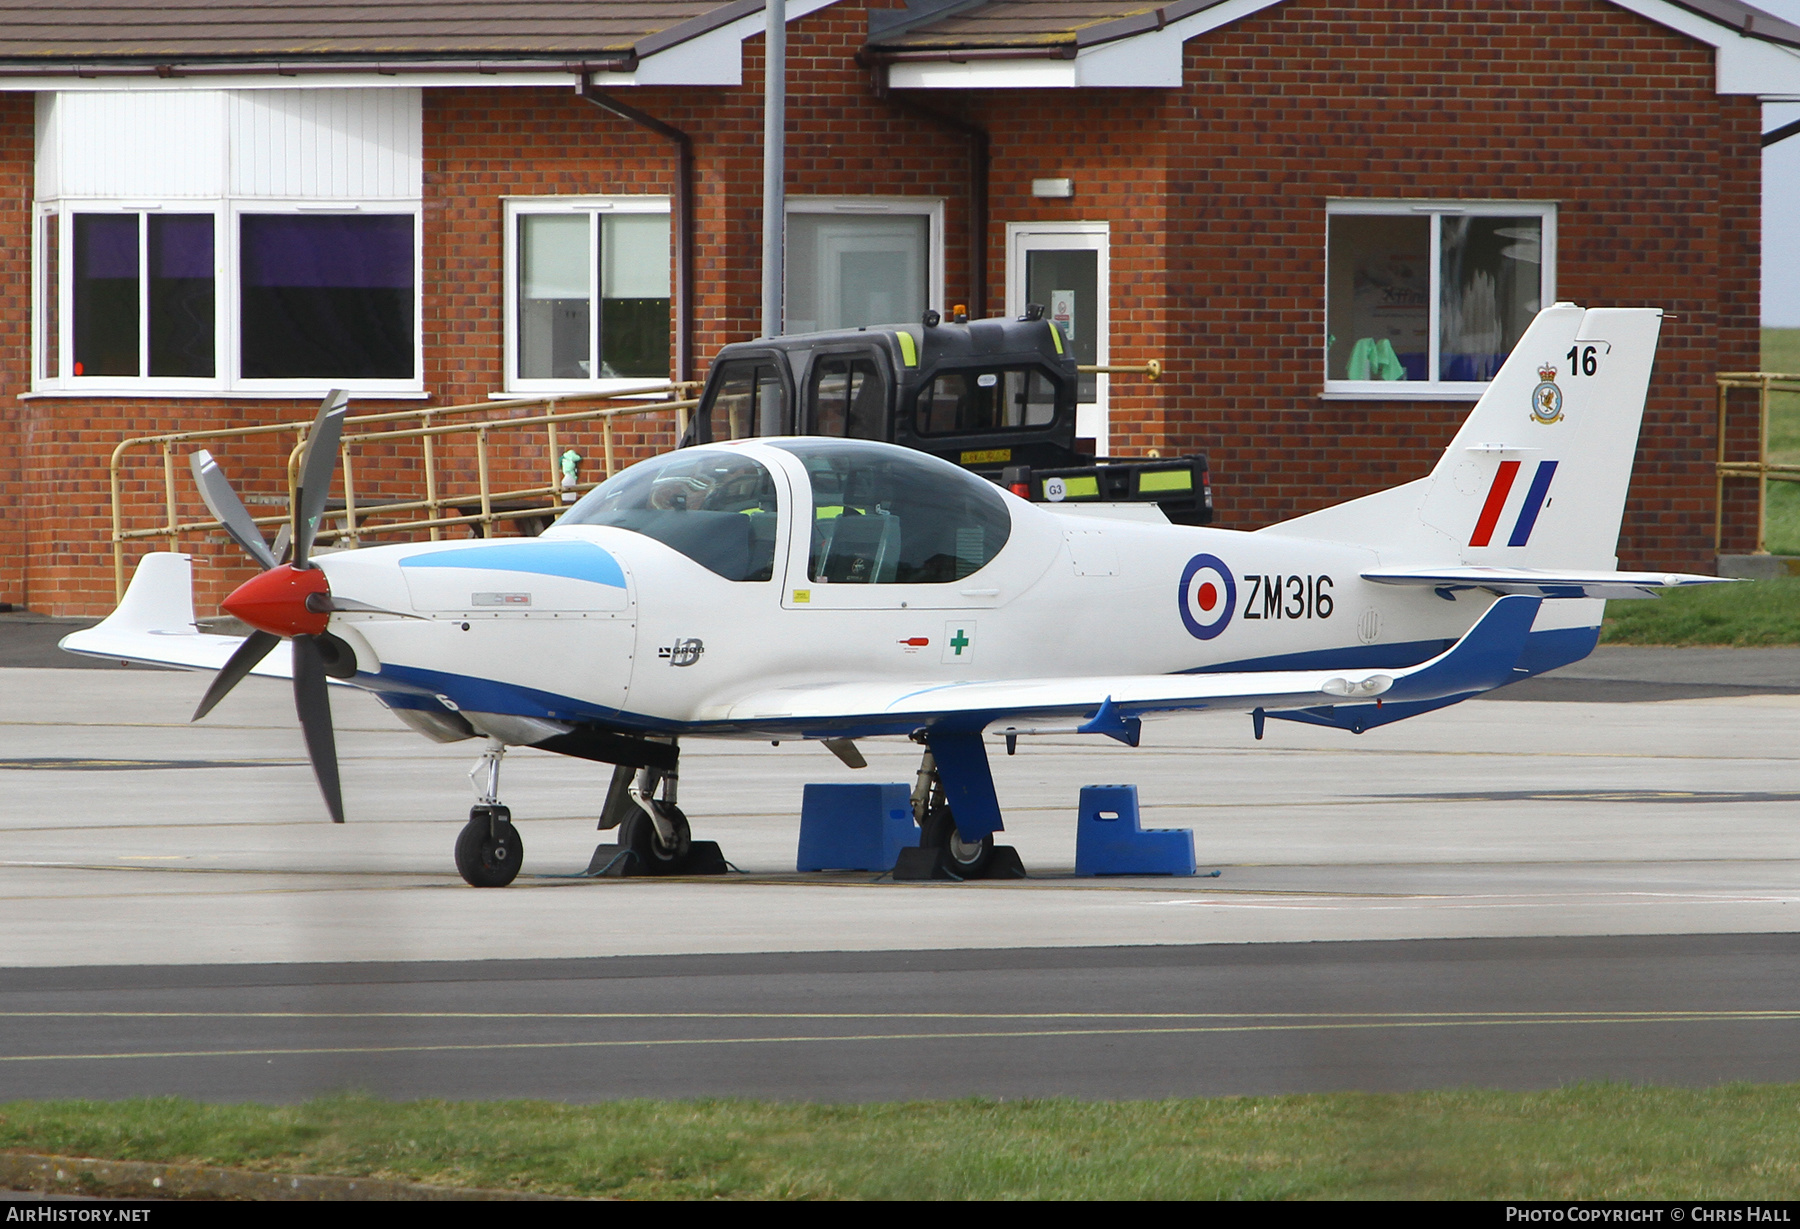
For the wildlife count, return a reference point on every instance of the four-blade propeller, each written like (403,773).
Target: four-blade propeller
(288,600)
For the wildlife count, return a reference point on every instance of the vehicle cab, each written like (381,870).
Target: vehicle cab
(995,396)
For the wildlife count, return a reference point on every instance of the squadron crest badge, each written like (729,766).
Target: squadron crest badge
(1546,398)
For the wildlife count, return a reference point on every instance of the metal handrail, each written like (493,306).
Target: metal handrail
(355,517)
(1761,469)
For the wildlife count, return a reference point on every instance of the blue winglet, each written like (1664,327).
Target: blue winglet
(1482,660)
(1114,724)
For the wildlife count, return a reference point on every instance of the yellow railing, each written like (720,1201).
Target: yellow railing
(1762,469)
(440,508)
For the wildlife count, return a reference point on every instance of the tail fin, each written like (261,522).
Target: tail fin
(1538,473)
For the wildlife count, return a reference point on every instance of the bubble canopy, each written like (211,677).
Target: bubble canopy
(880,514)
(714,506)
(888,515)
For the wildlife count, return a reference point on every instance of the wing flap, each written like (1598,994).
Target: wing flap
(1545,582)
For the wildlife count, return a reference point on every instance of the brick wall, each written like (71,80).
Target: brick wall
(1215,196)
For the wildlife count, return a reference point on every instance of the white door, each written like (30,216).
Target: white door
(1063,268)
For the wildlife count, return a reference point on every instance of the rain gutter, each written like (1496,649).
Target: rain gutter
(681,206)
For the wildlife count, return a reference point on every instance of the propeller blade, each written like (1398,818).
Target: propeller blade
(326,603)
(228,509)
(314,707)
(315,472)
(256,646)
(284,537)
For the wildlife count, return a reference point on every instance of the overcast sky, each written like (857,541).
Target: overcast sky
(1781,204)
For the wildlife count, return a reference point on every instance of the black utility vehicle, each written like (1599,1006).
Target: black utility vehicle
(995,396)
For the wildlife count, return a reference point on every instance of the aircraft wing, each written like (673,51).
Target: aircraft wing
(1484,658)
(1546,582)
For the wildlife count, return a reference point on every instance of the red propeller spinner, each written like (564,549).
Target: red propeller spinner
(275,601)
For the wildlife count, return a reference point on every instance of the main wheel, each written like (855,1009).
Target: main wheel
(488,852)
(638,834)
(969,859)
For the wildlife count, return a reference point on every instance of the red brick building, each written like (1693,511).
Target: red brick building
(1328,220)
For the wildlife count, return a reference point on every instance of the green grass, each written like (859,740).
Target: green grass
(1748,614)
(1596,1141)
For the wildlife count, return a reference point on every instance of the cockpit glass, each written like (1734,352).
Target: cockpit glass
(717,508)
(884,515)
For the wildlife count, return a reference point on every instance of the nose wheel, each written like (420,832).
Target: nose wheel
(489,849)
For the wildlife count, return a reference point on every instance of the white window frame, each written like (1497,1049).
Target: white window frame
(227,306)
(595,207)
(929,207)
(1093,420)
(1433,389)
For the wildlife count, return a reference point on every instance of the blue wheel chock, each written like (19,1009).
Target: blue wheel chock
(1108,840)
(855,827)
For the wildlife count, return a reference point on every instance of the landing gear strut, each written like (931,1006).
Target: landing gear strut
(944,852)
(654,836)
(488,849)
(937,826)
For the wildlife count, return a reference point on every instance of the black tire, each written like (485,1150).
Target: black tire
(638,834)
(488,854)
(968,859)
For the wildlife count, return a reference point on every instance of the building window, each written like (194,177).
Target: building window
(1426,299)
(243,241)
(862,260)
(325,297)
(141,295)
(588,308)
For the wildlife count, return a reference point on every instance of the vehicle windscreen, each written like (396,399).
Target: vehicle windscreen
(971,401)
(748,400)
(717,508)
(885,515)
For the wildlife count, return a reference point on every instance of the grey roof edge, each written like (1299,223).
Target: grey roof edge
(167,65)
(1143,23)
(694,27)
(1744,19)
(596,58)
(922,13)
(885,23)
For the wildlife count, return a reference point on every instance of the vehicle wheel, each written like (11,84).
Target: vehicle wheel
(969,859)
(486,860)
(638,834)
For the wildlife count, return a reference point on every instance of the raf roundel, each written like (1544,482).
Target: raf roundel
(1208,596)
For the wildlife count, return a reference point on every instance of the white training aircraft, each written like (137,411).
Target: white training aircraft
(835,589)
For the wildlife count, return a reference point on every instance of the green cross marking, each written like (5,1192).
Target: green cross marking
(959,642)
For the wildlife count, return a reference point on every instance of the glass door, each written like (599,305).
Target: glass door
(1063,268)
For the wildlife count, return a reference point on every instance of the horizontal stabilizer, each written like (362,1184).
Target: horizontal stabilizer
(1545,582)
(154,625)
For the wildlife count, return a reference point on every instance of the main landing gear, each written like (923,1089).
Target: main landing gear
(654,836)
(947,850)
(488,849)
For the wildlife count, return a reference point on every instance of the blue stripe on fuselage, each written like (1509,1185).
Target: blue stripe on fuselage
(574,560)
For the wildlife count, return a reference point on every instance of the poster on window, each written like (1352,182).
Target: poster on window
(1062,312)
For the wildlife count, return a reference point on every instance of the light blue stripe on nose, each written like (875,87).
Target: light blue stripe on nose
(574,560)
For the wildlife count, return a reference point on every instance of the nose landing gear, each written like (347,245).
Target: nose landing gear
(489,849)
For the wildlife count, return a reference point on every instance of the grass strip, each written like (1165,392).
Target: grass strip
(1749,614)
(1589,1141)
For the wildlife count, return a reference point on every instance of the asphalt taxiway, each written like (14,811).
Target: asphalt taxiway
(173,898)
